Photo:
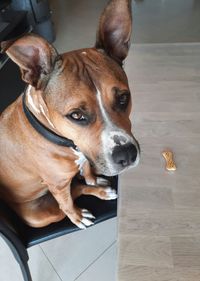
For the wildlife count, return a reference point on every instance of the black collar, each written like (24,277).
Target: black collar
(44,131)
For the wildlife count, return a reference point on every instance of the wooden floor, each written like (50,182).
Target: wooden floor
(159,211)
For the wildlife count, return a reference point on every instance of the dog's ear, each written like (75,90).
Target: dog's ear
(114,32)
(35,57)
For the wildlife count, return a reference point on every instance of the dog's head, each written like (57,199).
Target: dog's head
(84,94)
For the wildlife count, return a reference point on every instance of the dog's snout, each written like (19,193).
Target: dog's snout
(125,155)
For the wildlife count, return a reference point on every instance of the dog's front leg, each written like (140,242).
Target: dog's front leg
(62,194)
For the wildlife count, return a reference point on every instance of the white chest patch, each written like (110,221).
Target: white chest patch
(81,159)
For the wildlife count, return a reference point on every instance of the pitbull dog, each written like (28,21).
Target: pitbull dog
(73,118)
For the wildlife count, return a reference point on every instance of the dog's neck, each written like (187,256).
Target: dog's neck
(36,104)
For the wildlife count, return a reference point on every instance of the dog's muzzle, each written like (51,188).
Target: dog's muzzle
(120,151)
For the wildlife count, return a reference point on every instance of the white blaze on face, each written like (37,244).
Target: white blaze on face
(111,137)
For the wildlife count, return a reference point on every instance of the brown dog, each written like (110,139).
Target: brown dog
(73,118)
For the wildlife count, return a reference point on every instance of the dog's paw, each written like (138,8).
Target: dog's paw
(81,218)
(102,181)
(99,181)
(105,193)
(90,181)
(109,194)
(85,221)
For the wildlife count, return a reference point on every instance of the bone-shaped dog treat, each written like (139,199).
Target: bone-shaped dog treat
(170,165)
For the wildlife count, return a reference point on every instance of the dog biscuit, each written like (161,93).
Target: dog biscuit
(170,165)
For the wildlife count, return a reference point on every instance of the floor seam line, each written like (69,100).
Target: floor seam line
(114,242)
(51,263)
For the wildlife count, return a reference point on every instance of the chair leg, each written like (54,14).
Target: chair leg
(25,271)
(21,258)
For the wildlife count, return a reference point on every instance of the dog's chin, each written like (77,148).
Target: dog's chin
(113,171)
(102,169)
(107,173)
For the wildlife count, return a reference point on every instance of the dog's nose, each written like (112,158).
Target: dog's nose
(124,155)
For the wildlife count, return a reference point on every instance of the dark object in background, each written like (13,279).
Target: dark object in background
(11,85)
(35,13)
(12,25)
(18,17)
(39,16)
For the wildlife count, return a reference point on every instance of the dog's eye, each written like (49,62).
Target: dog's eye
(122,101)
(81,116)
(77,116)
